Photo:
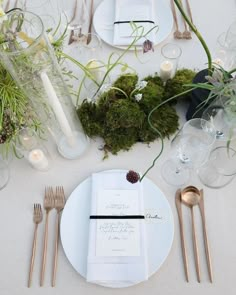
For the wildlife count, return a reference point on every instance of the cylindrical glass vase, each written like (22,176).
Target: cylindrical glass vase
(30,58)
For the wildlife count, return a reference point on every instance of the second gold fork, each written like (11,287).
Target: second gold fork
(59,205)
(48,206)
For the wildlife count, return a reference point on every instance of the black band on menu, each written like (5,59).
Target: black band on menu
(117,217)
(133,21)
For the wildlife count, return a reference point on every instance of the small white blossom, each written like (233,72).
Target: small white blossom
(142,84)
(138,97)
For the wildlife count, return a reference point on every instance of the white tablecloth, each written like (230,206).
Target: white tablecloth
(26,186)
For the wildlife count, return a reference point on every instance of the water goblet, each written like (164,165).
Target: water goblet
(220,169)
(190,149)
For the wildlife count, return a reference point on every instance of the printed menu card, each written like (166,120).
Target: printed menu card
(117,237)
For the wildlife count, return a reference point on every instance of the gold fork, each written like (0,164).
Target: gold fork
(48,206)
(59,205)
(38,216)
(7,6)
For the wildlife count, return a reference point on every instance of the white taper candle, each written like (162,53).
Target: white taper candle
(57,108)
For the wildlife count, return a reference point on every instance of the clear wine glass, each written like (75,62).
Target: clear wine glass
(190,149)
(220,169)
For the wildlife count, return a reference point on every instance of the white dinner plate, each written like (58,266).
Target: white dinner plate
(104,17)
(75,227)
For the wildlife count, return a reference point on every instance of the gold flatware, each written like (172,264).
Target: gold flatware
(181,225)
(186,32)
(190,196)
(38,217)
(208,256)
(48,206)
(189,11)
(177,33)
(71,39)
(90,23)
(7,6)
(59,201)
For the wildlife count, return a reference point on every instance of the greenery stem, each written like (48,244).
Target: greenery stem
(196,32)
(232,71)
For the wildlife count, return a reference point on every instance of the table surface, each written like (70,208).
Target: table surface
(26,186)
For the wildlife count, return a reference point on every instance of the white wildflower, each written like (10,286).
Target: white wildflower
(138,97)
(142,84)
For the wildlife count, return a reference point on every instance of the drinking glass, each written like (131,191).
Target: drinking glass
(190,149)
(221,112)
(220,169)
(224,54)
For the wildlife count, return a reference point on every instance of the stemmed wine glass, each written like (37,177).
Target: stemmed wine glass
(220,169)
(190,149)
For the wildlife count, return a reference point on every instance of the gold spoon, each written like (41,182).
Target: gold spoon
(190,196)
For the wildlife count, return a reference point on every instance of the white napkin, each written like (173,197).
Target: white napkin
(133,10)
(116,269)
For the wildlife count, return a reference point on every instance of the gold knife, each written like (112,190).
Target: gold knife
(208,256)
(181,225)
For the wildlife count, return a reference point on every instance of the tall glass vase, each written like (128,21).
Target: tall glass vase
(30,58)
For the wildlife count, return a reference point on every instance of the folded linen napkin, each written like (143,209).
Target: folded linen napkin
(117,247)
(138,11)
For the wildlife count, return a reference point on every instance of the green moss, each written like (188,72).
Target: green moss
(122,121)
(126,83)
(177,84)
(152,95)
(121,139)
(124,114)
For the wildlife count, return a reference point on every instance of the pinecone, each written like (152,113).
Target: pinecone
(132,176)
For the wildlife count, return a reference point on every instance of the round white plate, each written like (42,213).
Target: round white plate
(104,16)
(75,227)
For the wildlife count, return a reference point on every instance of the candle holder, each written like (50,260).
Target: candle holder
(170,57)
(29,57)
(31,147)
